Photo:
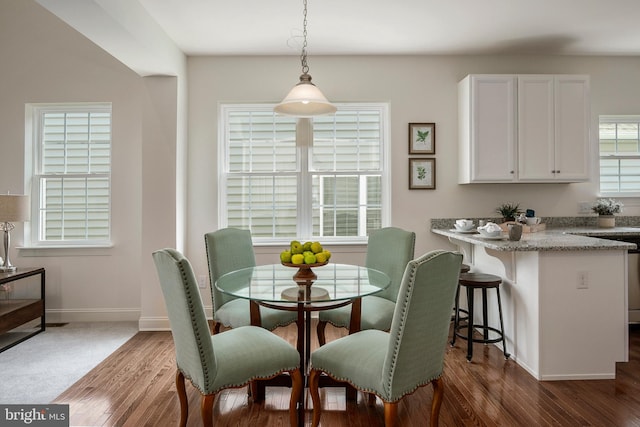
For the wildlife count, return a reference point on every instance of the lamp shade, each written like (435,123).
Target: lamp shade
(305,100)
(14,208)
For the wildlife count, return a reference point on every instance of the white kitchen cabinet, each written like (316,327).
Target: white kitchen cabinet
(553,128)
(523,128)
(487,132)
(549,283)
(536,134)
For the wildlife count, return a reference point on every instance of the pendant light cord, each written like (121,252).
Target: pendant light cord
(303,56)
(305,99)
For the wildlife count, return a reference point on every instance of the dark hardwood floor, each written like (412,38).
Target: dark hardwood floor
(135,387)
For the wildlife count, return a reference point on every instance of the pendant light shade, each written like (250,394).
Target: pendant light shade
(305,99)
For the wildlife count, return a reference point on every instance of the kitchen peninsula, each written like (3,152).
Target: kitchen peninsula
(564,298)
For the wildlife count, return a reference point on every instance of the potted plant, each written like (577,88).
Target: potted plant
(509,211)
(606,208)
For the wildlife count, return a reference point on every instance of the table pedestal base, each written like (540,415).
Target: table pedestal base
(303,345)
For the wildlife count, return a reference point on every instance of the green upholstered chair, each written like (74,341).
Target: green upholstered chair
(213,363)
(388,250)
(394,364)
(231,249)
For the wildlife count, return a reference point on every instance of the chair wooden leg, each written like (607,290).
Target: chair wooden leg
(296,389)
(390,414)
(252,389)
(314,382)
(350,393)
(371,399)
(436,402)
(206,409)
(182,395)
(320,329)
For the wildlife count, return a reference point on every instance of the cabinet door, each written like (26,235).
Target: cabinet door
(572,117)
(536,146)
(488,151)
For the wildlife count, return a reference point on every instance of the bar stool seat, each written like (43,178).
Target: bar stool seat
(483,282)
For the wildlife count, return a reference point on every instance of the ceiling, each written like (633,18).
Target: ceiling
(355,27)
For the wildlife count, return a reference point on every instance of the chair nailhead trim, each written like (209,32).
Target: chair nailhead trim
(405,303)
(205,370)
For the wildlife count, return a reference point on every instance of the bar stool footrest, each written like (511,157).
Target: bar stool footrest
(481,340)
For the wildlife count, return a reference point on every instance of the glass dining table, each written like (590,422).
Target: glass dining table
(305,290)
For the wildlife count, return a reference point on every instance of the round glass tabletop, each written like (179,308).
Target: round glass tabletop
(275,283)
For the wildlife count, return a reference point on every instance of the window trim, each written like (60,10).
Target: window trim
(33,126)
(301,129)
(632,197)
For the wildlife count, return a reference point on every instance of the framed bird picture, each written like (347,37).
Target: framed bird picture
(422,138)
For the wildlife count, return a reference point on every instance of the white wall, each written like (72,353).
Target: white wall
(419,89)
(43,60)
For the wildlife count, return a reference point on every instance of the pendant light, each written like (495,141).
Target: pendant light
(305,99)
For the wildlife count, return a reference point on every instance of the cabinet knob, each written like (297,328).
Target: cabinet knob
(511,172)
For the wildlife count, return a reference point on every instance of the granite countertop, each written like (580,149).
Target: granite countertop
(631,232)
(554,239)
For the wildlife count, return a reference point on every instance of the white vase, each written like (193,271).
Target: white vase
(606,221)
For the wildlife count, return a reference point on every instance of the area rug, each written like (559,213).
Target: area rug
(37,370)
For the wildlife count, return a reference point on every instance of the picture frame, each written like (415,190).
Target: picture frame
(422,174)
(422,138)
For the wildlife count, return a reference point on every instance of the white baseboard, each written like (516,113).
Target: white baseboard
(108,315)
(150,323)
(154,324)
(573,377)
(92,315)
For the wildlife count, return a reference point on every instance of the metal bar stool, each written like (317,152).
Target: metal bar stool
(464,268)
(473,281)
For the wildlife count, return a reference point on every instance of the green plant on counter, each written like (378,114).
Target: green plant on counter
(509,210)
(607,206)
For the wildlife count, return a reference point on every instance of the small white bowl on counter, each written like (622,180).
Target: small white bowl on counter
(464,227)
(491,230)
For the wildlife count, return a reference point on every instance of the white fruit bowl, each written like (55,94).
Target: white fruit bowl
(305,274)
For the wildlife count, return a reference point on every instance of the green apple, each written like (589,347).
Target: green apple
(316,247)
(296,247)
(285,256)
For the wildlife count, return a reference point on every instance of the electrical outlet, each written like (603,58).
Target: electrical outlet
(202,281)
(583,280)
(584,208)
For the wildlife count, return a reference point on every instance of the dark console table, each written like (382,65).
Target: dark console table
(21,309)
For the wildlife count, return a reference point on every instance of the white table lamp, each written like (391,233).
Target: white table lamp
(13,208)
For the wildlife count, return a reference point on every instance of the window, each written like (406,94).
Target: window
(322,178)
(619,155)
(70,160)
